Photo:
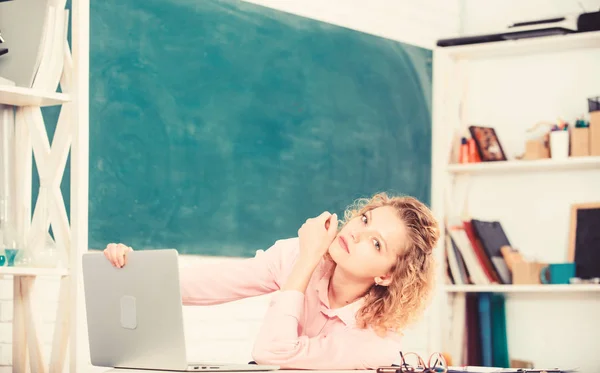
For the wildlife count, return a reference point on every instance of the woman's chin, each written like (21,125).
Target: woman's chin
(337,253)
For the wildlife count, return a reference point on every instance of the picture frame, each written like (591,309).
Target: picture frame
(487,143)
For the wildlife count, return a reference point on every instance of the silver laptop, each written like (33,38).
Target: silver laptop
(135,316)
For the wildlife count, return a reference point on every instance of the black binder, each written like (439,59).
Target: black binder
(492,239)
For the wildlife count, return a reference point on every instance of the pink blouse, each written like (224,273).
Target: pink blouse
(300,331)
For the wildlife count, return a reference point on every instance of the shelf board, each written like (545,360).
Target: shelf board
(21,96)
(24,271)
(522,288)
(524,47)
(571,163)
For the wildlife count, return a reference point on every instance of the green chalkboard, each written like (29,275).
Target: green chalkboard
(218,127)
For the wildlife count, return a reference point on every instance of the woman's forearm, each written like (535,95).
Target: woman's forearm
(215,283)
(301,274)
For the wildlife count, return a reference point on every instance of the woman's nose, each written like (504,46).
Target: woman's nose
(355,236)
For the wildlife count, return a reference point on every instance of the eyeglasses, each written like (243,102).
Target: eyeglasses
(413,363)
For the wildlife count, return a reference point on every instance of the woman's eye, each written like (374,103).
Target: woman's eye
(376,244)
(364,218)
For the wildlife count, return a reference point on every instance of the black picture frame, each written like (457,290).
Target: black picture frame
(487,143)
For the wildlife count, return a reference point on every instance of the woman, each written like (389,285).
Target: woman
(344,295)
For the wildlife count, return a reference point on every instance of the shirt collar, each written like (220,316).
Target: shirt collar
(347,313)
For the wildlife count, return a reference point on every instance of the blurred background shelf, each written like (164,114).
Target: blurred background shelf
(522,288)
(21,96)
(569,164)
(25,271)
(526,47)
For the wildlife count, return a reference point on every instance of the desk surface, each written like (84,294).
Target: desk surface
(273,371)
(114,370)
(8,369)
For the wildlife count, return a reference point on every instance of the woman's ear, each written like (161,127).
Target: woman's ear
(385,280)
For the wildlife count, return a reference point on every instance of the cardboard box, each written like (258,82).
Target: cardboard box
(527,273)
(537,148)
(580,142)
(595,133)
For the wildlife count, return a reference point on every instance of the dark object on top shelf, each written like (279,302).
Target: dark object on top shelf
(594,104)
(589,22)
(531,29)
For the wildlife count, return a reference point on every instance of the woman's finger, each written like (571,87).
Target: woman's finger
(333,225)
(121,258)
(112,257)
(324,216)
(122,254)
(105,251)
(109,253)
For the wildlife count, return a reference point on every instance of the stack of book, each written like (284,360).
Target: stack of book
(473,254)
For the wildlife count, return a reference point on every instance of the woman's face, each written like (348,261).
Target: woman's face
(368,245)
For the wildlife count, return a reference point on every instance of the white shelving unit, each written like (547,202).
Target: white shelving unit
(20,271)
(541,165)
(453,67)
(525,47)
(575,288)
(68,63)
(20,96)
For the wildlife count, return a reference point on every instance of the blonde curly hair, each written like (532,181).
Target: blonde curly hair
(393,307)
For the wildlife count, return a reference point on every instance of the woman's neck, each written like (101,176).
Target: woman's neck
(344,289)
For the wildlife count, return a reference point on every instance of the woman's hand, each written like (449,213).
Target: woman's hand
(316,234)
(117,254)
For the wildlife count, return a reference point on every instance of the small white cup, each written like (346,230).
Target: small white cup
(559,144)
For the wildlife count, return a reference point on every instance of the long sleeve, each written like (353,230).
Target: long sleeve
(279,343)
(215,283)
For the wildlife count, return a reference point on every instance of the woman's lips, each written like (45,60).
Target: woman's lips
(344,244)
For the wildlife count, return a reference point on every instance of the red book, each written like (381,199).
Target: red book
(484,260)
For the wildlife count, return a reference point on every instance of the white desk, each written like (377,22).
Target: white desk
(273,371)
(7,369)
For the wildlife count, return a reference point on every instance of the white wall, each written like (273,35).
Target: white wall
(211,329)
(479,16)
(511,95)
(415,22)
